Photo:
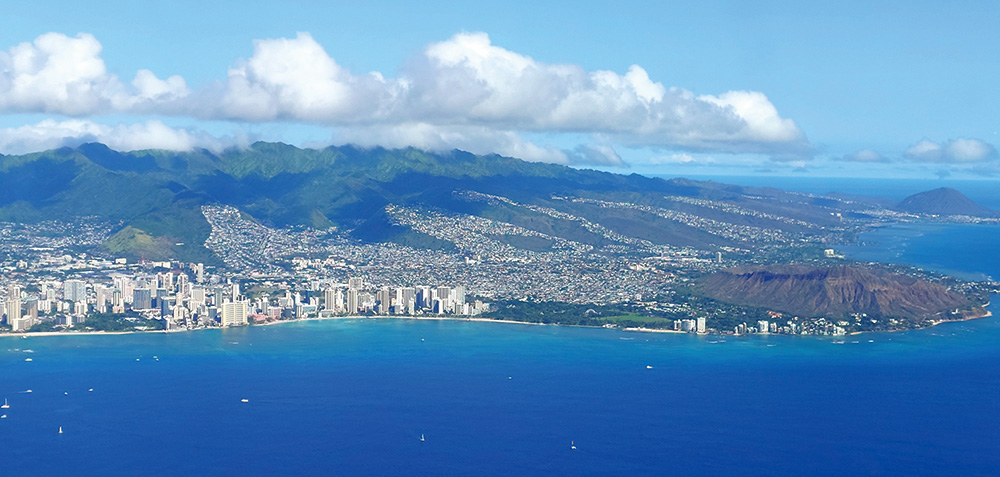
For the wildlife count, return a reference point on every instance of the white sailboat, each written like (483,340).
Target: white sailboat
(421,438)
(60,429)
(5,405)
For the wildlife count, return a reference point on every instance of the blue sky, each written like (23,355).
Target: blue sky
(869,89)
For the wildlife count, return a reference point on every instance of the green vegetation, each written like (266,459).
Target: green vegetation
(44,326)
(580,315)
(118,322)
(157,195)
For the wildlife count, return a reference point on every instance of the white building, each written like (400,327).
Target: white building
(234,313)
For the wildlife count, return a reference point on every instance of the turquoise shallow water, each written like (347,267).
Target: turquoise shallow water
(354,396)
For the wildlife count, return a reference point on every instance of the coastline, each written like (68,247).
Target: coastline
(934,323)
(276,322)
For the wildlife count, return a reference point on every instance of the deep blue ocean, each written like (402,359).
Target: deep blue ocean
(353,397)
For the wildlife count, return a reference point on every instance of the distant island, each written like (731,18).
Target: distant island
(97,239)
(944,201)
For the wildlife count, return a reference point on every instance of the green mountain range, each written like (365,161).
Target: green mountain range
(155,196)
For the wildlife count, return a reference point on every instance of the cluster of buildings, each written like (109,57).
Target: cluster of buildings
(818,326)
(184,297)
(692,325)
(353,299)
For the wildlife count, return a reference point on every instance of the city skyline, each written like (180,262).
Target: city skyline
(857,89)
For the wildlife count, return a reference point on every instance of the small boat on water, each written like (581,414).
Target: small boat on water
(421,438)
(60,429)
(572,445)
(5,405)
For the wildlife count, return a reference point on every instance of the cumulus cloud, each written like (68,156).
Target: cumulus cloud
(453,93)
(150,88)
(296,79)
(468,79)
(477,140)
(51,134)
(957,151)
(866,156)
(66,75)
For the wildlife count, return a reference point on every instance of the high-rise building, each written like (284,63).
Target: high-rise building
(142,299)
(103,295)
(13,304)
(338,301)
(355,283)
(234,313)
(701,324)
(384,300)
(406,300)
(445,295)
(198,297)
(352,301)
(330,299)
(166,280)
(75,290)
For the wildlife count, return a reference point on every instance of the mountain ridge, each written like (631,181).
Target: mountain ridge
(160,193)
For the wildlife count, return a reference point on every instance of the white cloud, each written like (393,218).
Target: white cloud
(151,88)
(763,123)
(957,151)
(474,139)
(453,92)
(66,75)
(57,74)
(296,79)
(51,134)
(467,79)
(477,140)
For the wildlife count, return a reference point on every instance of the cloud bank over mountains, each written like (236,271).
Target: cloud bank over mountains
(463,92)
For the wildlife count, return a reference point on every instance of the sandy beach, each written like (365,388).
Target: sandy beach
(274,322)
(400,317)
